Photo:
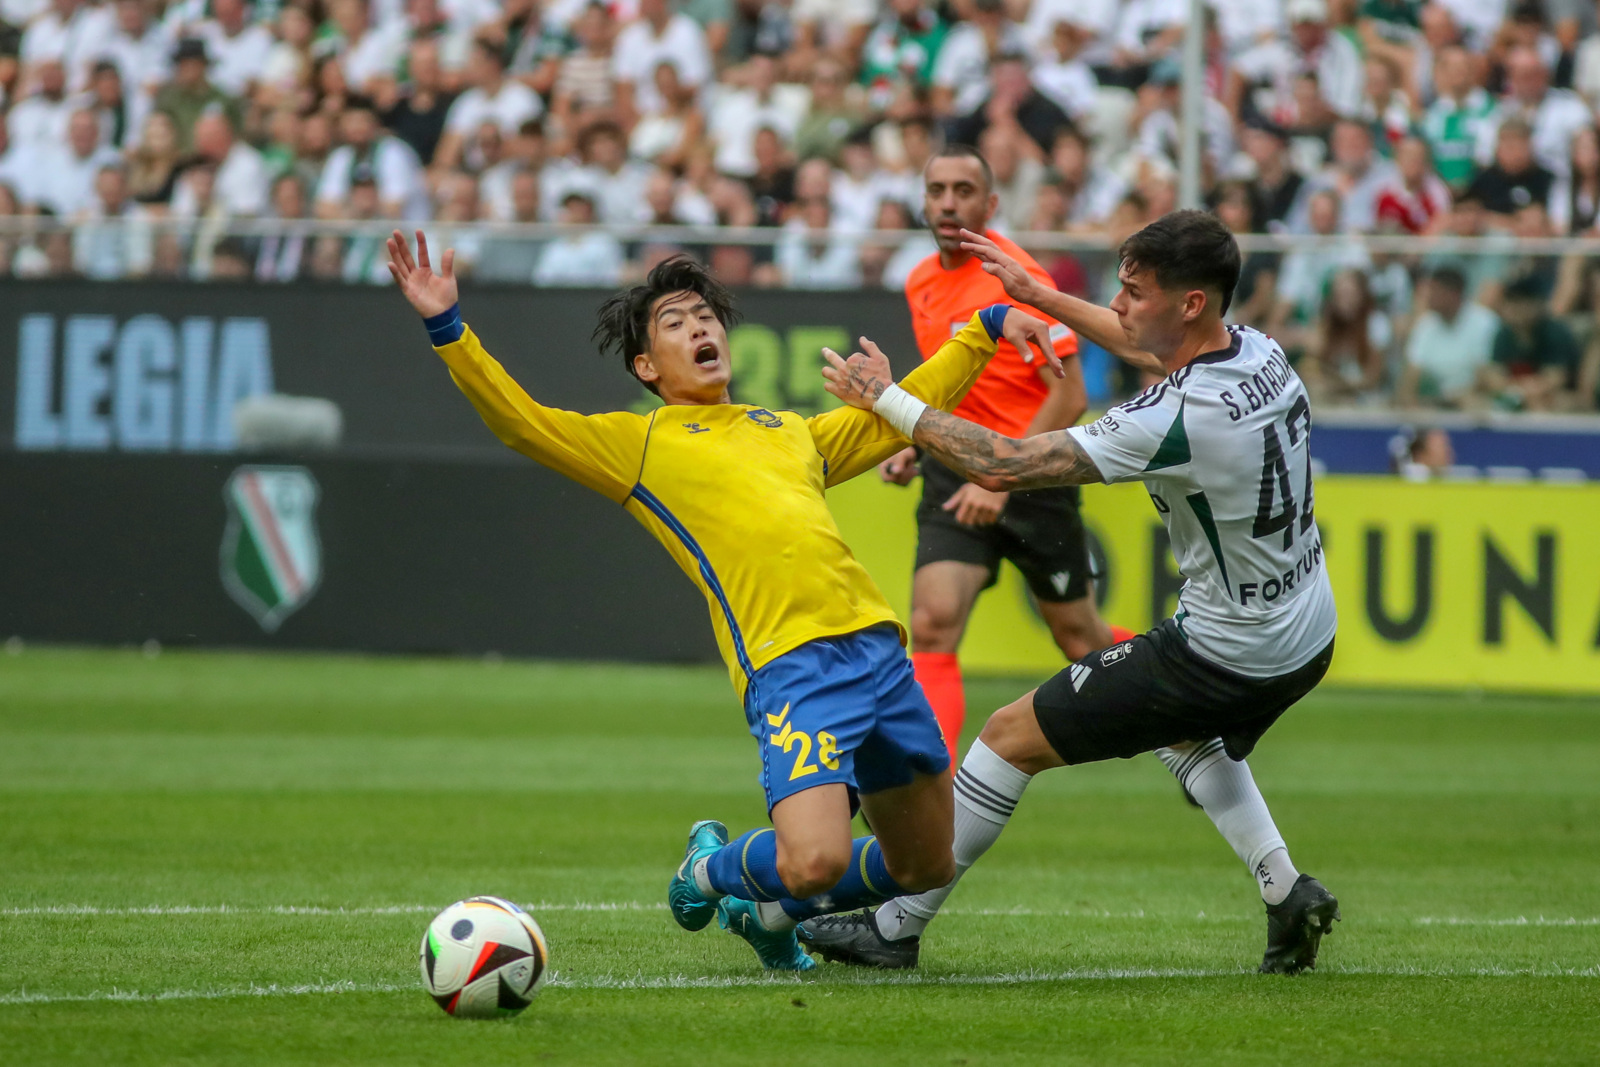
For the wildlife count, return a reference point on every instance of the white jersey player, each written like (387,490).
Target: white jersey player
(1222,443)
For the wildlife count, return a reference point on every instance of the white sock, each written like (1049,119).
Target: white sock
(1227,791)
(771,915)
(702,879)
(987,791)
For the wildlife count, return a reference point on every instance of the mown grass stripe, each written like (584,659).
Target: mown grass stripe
(650,982)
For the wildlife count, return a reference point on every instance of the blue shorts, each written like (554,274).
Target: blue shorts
(843,709)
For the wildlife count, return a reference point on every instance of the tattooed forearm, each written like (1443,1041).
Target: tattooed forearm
(1002,464)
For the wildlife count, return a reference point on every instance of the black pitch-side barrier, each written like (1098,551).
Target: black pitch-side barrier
(120,520)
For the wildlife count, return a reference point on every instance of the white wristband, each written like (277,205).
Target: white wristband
(899,409)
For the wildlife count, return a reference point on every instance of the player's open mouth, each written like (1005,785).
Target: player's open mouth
(706,355)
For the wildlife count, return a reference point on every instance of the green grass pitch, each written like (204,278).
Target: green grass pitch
(230,859)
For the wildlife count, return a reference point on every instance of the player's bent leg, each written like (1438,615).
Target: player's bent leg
(915,827)
(915,831)
(1300,910)
(812,830)
(942,595)
(806,852)
(985,793)
(1076,626)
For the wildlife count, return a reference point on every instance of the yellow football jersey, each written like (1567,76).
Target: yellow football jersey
(734,492)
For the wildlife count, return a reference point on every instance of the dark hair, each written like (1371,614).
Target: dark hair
(624,320)
(1188,249)
(966,151)
(1451,278)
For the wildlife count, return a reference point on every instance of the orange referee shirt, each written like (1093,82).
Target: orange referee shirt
(1008,393)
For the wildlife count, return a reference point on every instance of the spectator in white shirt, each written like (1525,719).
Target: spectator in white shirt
(1147,30)
(657,36)
(68,170)
(240,185)
(72,31)
(1357,173)
(961,69)
(1017,175)
(120,249)
(1091,190)
(669,202)
(813,253)
(367,53)
(1449,343)
(37,127)
(238,47)
(141,50)
(1305,274)
(591,257)
(493,96)
(402,192)
(856,190)
(1063,75)
(609,179)
(736,113)
(1555,114)
(1311,47)
(1094,20)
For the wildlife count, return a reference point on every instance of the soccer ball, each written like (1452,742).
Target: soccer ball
(482,958)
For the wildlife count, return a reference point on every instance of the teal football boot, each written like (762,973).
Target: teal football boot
(777,951)
(690,909)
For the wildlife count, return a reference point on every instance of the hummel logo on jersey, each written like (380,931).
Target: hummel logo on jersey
(1079,674)
(1059,581)
(1115,653)
(695,427)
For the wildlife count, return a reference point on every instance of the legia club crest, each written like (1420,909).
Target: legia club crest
(271,556)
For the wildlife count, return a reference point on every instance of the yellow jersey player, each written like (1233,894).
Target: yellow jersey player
(735,494)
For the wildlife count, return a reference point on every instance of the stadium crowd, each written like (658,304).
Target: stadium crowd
(1329,117)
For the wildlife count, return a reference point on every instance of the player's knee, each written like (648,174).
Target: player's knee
(812,871)
(924,873)
(935,627)
(1013,734)
(1074,644)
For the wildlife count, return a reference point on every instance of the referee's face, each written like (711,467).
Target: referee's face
(955,197)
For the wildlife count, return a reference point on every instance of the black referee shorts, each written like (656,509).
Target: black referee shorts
(1040,531)
(1154,691)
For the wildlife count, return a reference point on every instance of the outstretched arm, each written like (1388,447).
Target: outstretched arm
(851,441)
(993,461)
(1091,321)
(602,452)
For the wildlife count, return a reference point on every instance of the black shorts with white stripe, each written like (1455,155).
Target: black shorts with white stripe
(1153,691)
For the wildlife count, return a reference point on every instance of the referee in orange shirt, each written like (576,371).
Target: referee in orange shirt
(963,531)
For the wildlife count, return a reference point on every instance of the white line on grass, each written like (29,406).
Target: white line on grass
(297,909)
(679,981)
(634,905)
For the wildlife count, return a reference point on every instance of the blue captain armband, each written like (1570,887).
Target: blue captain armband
(993,318)
(445,327)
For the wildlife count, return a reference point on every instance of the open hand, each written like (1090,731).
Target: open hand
(1029,334)
(900,468)
(431,294)
(976,506)
(1019,284)
(860,380)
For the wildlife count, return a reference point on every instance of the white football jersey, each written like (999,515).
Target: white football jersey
(1224,447)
